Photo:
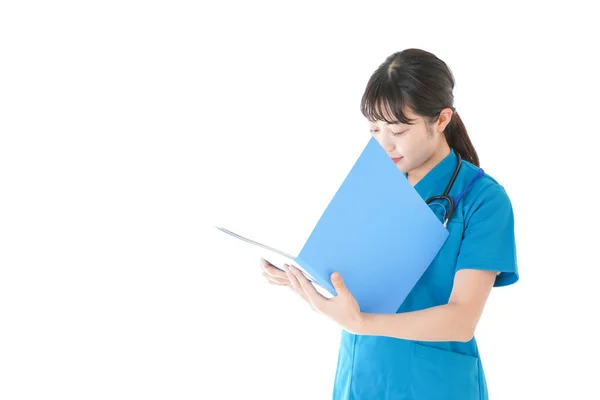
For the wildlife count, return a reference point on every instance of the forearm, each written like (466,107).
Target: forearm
(449,322)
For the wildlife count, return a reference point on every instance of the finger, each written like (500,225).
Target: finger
(275,272)
(297,287)
(301,294)
(305,283)
(293,281)
(271,269)
(264,264)
(270,278)
(278,283)
(338,283)
(316,298)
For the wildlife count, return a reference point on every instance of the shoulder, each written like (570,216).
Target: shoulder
(488,240)
(485,195)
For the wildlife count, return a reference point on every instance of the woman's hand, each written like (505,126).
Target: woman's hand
(342,308)
(274,275)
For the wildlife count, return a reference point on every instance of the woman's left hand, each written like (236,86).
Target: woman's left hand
(342,308)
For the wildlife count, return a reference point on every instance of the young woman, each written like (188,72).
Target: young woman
(427,349)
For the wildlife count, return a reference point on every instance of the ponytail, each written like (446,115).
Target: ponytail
(458,139)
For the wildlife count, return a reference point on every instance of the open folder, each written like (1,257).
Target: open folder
(377,232)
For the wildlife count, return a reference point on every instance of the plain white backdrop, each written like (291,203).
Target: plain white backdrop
(128,129)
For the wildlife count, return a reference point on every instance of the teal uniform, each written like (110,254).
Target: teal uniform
(481,236)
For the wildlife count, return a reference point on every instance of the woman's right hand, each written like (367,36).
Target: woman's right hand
(274,275)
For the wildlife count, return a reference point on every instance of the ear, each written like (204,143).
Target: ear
(444,119)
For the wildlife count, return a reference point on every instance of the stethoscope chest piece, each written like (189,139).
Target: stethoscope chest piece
(448,212)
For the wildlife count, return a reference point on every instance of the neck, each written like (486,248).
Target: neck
(418,173)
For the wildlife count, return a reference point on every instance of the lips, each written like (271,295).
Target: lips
(396,159)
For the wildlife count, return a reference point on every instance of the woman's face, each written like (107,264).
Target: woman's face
(410,146)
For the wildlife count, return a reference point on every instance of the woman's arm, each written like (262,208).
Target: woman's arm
(455,321)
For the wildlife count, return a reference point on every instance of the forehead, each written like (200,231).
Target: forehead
(384,109)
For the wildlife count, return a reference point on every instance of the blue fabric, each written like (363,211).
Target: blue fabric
(481,237)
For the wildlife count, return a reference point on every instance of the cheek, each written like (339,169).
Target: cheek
(407,147)
(417,147)
(386,140)
(414,156)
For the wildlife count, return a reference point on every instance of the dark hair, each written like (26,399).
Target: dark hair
(422,82)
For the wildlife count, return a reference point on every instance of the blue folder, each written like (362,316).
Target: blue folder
(377,232)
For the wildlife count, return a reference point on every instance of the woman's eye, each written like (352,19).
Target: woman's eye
(374,130)
(398,133)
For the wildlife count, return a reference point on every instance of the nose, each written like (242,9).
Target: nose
(387,144)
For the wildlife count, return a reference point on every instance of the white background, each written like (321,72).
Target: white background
(128,129)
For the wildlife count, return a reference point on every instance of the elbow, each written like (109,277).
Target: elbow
(465,331)
(465,322)
(466,335)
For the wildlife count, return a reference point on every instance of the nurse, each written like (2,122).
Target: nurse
(427,349)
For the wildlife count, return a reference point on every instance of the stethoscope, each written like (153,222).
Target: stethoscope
(452,202)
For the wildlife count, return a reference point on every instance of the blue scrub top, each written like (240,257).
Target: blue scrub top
(481,236)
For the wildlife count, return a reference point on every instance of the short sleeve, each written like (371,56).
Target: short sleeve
(489,236)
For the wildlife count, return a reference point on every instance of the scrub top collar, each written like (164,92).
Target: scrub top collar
(438,177)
